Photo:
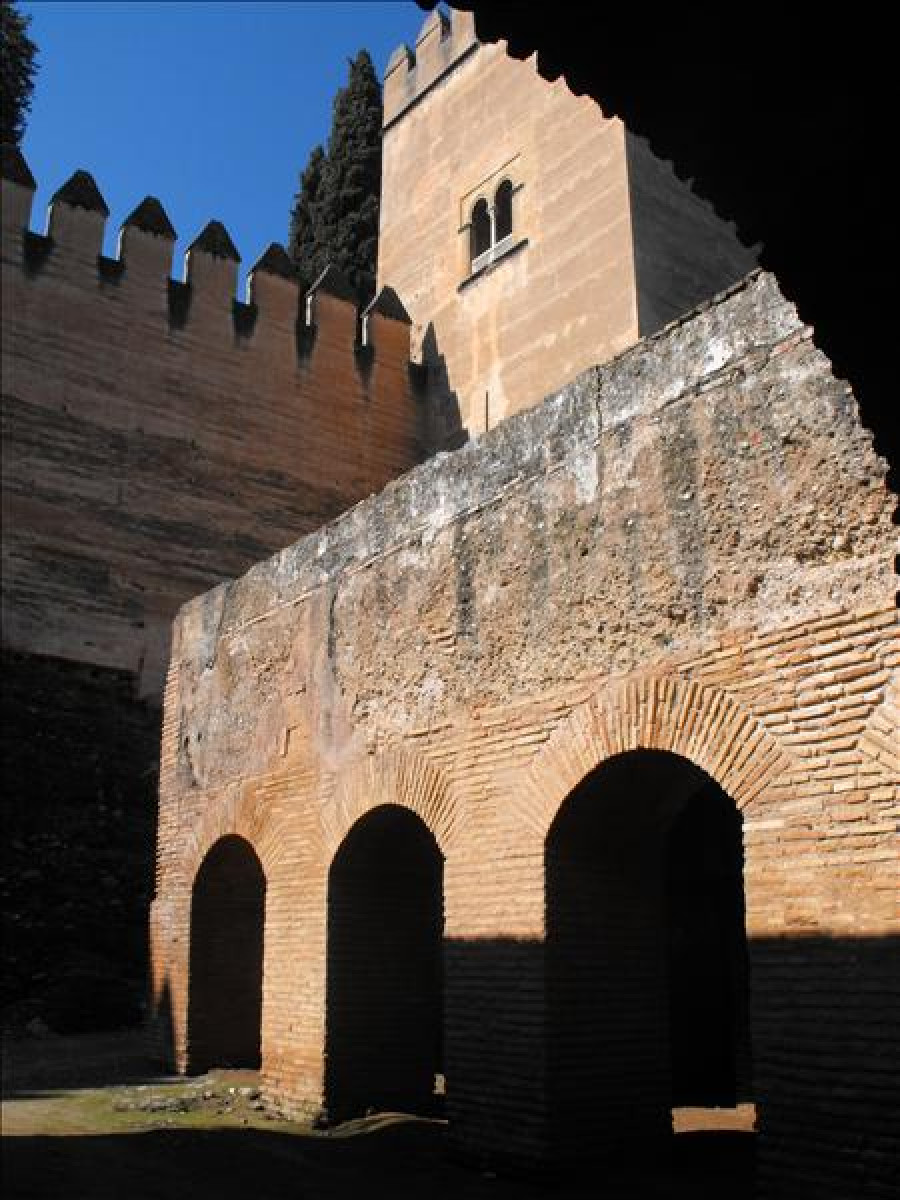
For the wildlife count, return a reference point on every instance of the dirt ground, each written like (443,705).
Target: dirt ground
(87,1118)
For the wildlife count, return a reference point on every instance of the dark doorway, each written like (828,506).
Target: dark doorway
(228,905)
(384,1026)
(707,952)
(646,953)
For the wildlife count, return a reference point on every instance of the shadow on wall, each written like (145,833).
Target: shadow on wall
(161,1028)
(443,425)
(80,755)
(826,1061)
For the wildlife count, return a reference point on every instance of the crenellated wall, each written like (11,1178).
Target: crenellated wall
(159,434)
(685,554)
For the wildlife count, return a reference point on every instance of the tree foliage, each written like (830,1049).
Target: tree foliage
(302,242)
(17,70)
(335,216)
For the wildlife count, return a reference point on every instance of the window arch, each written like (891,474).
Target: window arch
(480,235)
(503,217)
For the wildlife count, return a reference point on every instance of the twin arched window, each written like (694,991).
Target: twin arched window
(490,226)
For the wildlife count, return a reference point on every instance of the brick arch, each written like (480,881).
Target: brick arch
(244,814)
(399,777)
(702,724)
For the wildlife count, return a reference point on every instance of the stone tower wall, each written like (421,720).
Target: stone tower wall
(606,244)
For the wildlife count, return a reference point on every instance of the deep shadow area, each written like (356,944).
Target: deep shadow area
(385,967)
(442,426)
(826,1062)
(80,755)
(32,1066)
(827,1065)
(405,1161)
(228,905)
(645,951)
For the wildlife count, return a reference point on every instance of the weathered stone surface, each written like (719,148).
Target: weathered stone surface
(686,550)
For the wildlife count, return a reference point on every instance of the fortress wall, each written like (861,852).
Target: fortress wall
(160,436)
(688,549)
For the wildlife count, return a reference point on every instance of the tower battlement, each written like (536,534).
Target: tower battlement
(443,41)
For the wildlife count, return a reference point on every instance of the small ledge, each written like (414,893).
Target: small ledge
(499,255)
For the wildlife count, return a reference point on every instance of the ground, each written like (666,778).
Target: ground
(89,1118)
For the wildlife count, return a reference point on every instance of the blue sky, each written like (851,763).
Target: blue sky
(213,107)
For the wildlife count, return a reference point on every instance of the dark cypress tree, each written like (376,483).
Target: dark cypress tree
(17,69)
(303,245)
(335,219)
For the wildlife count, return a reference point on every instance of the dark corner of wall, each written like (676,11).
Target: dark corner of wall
(683,252)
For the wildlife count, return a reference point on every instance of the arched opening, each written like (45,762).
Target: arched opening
(228,904)
(503,221)
(480,232)
(646,953)
(384,1024)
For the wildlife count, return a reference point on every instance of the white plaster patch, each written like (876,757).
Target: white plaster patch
(584,473)
(718,353)
(431,689)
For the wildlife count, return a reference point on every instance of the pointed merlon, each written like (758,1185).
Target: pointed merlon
(15,168)
(436,19)
(388,304)
(333,282)
(215,239)
(81,191)
(402,55)
(151,217)
(276,261)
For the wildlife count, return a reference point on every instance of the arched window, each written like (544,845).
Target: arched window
(481,230)
(503,211)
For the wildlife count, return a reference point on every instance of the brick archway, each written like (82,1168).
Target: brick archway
(702,724)
(245,814)
(399,777)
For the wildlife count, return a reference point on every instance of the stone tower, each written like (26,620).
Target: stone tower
(528,235)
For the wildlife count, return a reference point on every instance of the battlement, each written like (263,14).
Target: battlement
(69,255)
(161,434)
(443,42)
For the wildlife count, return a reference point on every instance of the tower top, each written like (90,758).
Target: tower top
(443,42)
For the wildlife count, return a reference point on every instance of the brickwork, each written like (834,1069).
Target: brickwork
(686,551)
(159,436)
